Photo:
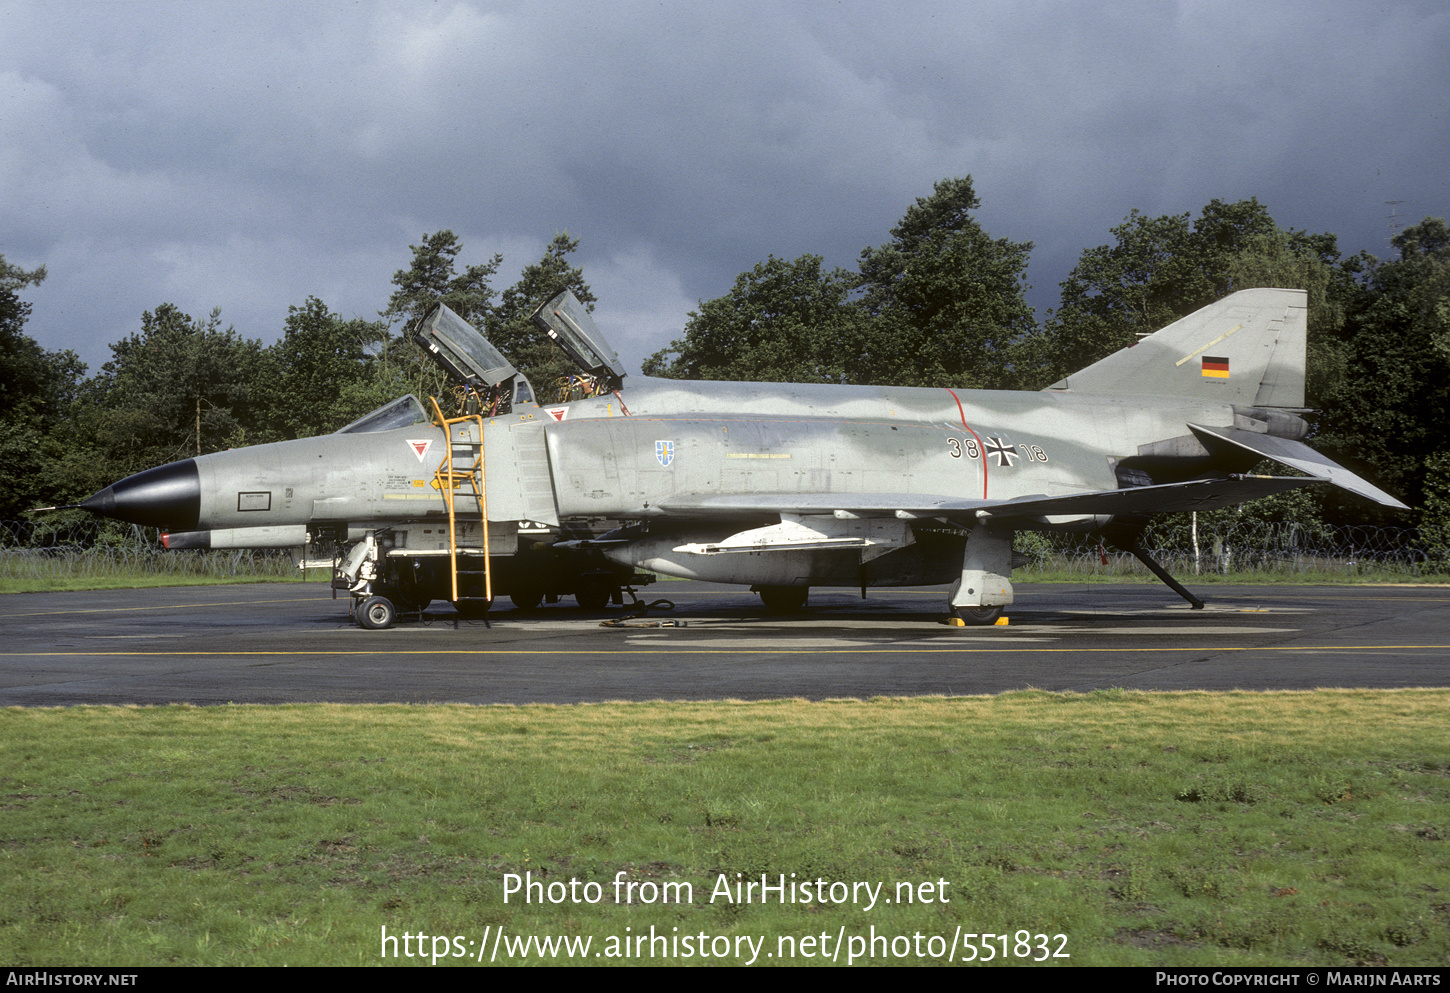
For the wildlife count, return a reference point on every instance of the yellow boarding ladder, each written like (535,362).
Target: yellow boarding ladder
(450,478)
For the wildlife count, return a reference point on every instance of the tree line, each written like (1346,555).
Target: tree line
(940,303)
(181,385)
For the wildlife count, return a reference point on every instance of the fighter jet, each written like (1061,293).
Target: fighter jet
(781,487)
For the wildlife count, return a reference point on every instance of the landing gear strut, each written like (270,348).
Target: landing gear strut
(1130,544)
(984,587)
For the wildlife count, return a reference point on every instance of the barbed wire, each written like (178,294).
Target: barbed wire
(1253,546)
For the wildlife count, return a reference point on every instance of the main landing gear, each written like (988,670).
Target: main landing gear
(983,589)
(978,616)
(783,599)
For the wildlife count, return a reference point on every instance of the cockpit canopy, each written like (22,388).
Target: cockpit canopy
(463,353)
(491,385)
(401,413)
(568,323)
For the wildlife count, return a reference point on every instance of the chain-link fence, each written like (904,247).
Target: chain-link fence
(31,550)
(1245,547)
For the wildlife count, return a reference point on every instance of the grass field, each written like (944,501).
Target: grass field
(1242,828)
(118,579)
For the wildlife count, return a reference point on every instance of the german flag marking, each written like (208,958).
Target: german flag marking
(1215,367)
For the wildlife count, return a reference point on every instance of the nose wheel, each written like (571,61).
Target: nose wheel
(376,613)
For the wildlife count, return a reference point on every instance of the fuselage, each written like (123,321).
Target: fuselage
(627,455)
(696,439)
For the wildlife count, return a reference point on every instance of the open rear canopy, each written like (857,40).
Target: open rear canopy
(570,326)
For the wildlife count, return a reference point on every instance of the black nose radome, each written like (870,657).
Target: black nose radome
(168,496)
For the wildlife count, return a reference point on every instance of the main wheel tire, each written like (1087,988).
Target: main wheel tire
(784,599)
(593,595)
(978,616)
(376,613)
(527,599)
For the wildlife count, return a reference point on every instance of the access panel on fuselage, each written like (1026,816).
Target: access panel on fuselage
(517,471)
(622,466)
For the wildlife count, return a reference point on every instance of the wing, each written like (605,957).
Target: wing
(1197,494)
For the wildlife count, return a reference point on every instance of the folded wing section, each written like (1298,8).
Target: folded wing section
(1297,455)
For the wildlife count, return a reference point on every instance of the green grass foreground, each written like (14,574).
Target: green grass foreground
(1148,829)
(137,581)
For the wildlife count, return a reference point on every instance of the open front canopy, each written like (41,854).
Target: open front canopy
(463,353)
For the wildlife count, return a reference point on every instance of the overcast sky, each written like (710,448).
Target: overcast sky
(248,155)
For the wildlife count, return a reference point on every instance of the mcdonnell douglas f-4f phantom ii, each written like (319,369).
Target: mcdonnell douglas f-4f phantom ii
(778,486)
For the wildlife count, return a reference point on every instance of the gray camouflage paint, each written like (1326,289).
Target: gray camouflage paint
(760,483)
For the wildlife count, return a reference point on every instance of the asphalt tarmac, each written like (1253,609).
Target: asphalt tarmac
(291,642)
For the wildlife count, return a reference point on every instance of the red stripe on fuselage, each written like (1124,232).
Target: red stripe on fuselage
(983,452)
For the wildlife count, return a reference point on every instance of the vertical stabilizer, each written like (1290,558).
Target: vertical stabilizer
(1247,349)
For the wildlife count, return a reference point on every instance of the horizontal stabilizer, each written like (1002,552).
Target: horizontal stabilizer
(1296,455)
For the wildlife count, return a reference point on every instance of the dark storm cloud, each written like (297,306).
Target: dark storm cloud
(247,156)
